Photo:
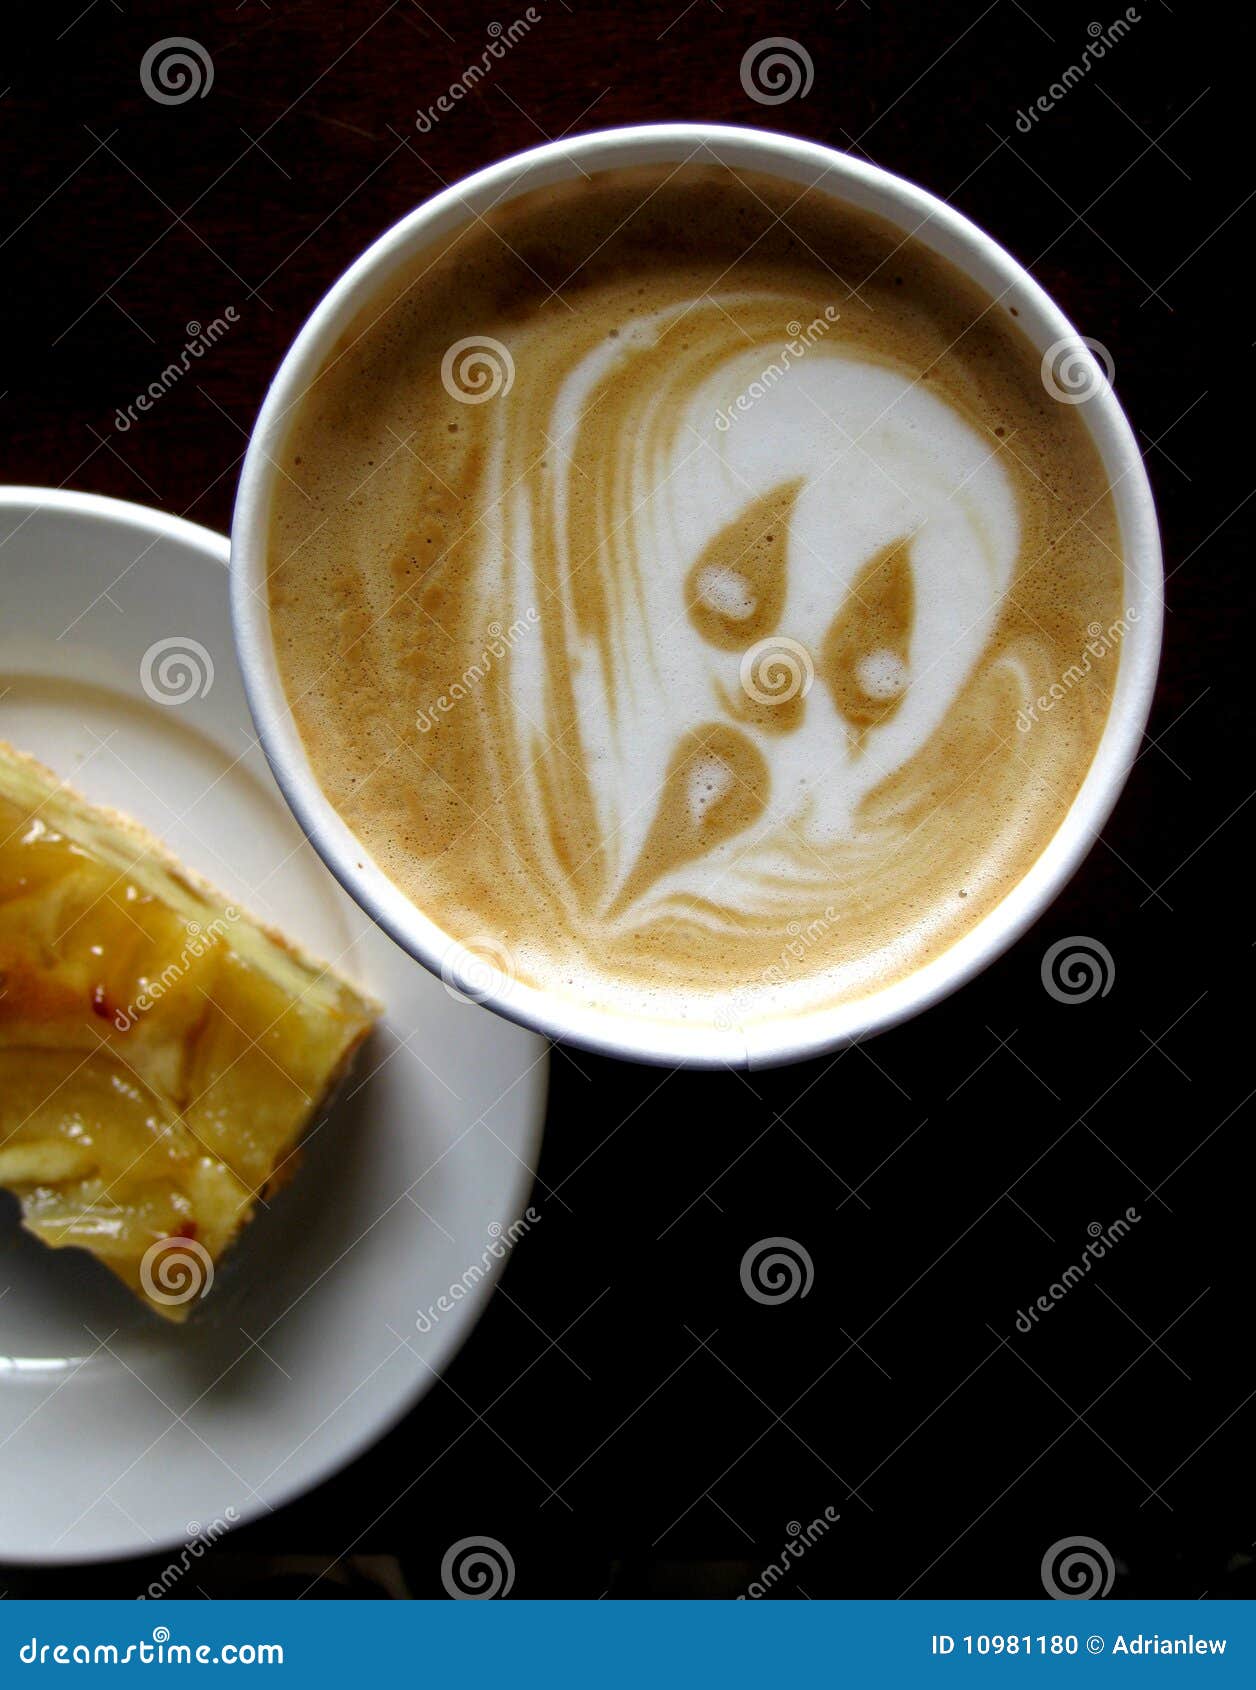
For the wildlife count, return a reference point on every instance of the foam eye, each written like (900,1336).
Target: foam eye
(735,592)
(865,659)
(881,675)
(725,593)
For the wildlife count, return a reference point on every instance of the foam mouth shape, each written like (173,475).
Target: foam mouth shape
(683,656)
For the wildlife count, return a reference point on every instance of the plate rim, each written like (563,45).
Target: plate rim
(212,546)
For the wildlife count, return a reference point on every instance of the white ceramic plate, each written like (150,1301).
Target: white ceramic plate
(119,1434)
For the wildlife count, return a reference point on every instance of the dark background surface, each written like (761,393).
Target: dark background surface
(940,1177)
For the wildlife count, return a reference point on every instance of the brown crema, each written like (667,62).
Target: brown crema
(658,575)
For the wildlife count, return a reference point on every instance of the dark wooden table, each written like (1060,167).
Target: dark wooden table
(984,1137)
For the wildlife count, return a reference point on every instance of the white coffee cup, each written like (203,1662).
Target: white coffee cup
(1068,361)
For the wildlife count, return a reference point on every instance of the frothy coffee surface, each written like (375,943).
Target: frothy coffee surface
(659,577)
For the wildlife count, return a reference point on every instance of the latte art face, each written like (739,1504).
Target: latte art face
(657,577)
(741,682)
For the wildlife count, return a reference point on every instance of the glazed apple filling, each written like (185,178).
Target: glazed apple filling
(161,1054)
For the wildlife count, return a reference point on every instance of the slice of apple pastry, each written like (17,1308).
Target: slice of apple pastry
(161,1053)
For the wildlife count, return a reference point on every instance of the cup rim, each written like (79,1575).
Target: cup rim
(764,1042)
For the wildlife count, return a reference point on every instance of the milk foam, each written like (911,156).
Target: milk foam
(880,458)
(779,594)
